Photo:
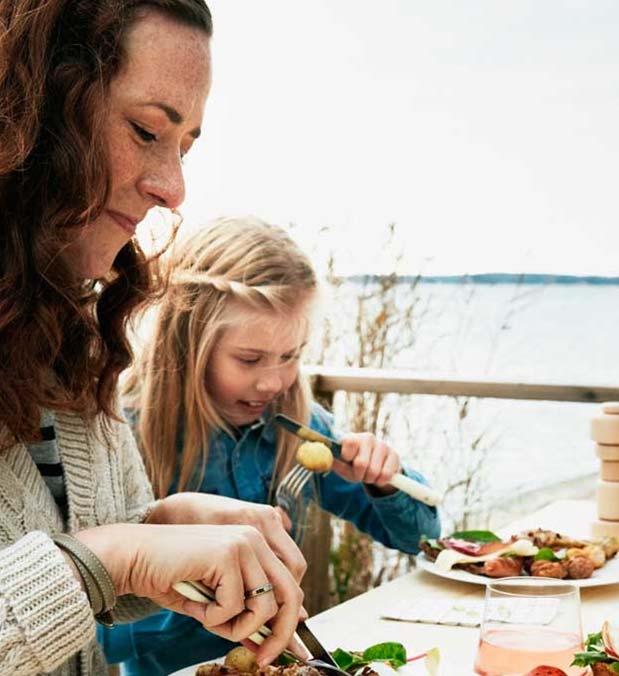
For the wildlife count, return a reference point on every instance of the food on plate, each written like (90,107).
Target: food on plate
(503,566)
(596,554)
(543,670)
(542,568)
(580,568)
(539,553)
(601,652)
(315,456)
(364,663)
(213,669)
(241,659)
(479,552)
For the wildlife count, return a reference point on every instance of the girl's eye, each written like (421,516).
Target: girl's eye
(146,136)
(253,360)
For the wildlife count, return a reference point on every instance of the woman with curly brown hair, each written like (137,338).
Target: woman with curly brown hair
(99,101)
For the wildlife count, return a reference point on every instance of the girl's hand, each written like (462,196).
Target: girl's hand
(371,461)
(146,560)
(202,508)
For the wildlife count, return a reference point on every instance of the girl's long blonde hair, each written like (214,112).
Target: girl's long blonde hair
(240,262)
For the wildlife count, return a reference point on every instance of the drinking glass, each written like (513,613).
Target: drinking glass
(529,622)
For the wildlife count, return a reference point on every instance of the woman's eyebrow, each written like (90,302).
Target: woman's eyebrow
(173,115)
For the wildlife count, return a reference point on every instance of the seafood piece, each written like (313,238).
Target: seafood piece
(505,566)
(549,538)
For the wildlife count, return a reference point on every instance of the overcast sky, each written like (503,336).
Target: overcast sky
(488,130)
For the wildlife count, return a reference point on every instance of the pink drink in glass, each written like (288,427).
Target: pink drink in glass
(515,651)
(529,622)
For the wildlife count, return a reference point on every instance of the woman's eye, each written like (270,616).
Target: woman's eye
(253,360)
(143,134)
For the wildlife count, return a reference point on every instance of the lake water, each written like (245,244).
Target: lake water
(501,454)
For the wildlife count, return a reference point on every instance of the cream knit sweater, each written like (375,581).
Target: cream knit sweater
(46,624)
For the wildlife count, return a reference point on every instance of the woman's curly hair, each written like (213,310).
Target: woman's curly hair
(63,342)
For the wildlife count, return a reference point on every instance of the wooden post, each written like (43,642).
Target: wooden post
(316,548)
(316,545)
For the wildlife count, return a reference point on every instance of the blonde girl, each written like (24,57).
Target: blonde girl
(223,358)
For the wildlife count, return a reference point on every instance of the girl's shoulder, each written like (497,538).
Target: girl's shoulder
(320,419)
(132,415)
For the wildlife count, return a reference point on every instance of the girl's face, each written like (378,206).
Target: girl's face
(255,362)
(155,109)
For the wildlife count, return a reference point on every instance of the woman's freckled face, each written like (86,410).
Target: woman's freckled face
(156,105)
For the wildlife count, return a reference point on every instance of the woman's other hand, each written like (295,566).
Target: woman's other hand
(368,460)
(146,560)
(196,508)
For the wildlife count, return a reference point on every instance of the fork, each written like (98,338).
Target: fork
(290,487)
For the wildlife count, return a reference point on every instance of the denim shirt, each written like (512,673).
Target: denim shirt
(243,468)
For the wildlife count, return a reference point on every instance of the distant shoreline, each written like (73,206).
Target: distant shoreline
(490,278)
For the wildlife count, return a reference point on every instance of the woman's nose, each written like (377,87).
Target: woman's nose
(165,185)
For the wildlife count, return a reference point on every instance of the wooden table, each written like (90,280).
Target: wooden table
(356,624)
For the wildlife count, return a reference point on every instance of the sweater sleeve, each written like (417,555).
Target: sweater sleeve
(138,500)
(139,496)
(45,616)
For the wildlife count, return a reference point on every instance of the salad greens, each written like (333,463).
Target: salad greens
(394,654)
(390,653)
(546,554)
(475,536)
(595,652)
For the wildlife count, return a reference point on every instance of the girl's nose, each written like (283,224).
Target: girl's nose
(269,382)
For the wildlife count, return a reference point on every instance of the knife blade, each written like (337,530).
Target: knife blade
(318,651)
(308,434)
(408,485)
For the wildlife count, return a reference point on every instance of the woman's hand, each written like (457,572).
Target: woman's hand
(196,508)
(371,461)
(146,560)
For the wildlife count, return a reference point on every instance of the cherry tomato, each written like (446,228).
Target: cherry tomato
(543,670)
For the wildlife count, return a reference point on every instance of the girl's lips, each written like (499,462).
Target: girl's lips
(254,407)
(127,223)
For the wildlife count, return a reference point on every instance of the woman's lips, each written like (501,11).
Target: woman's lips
(127,223)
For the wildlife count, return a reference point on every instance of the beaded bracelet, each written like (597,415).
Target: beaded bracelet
(99,586)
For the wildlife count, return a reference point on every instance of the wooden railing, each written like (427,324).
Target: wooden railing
(329,380)
(326,381)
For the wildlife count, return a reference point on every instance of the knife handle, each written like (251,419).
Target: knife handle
(196,591)
(416,490)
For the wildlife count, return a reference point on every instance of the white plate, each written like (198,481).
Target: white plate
(609,574)
(414,669)
(190,671)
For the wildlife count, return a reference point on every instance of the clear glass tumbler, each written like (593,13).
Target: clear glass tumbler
(529,622)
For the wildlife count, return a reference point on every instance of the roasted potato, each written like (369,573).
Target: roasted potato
(315,456)
(242,659)
(610,546)
(596,554)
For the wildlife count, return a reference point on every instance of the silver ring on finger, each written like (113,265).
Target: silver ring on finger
(259,591)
